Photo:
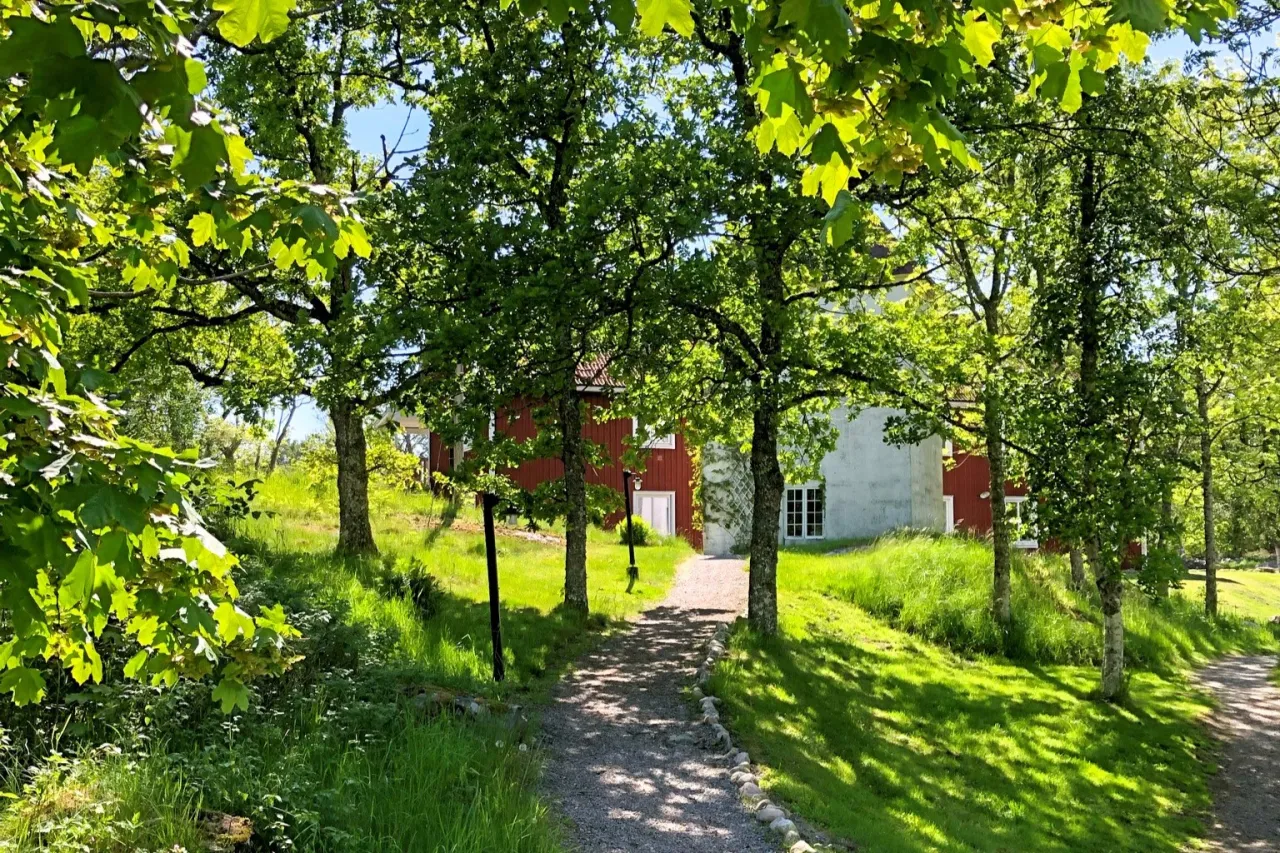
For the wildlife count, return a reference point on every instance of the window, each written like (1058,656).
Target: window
(1023,521)
(948,449)
(650,441)
(806,512)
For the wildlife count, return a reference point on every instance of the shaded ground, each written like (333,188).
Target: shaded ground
(624,767)
(1247,788)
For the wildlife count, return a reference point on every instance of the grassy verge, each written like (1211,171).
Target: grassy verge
(334,755)
(905,741)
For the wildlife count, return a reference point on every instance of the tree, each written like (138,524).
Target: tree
(988,231)
(97,526)
(534,247)
(1095,412)
(340,325)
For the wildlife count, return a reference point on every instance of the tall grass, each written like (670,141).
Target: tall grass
(335,755)
(940,588)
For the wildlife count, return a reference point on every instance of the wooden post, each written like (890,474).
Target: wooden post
(491,557)
(633,572)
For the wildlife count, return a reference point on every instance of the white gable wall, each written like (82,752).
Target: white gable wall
(872,487)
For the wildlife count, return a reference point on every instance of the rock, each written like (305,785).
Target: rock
(769,814)
(711,718)
(709,700)
(224,831)
(1275,620)
(750,791)
(801,847)
(742,777)
(741,768)
(742,758)
(790,838)
(782,826)
(681,738)
(722,734)
(697,693)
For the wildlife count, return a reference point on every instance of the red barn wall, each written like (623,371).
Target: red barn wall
(665,471)
(966,481)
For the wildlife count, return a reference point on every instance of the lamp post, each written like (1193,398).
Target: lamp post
(633,572)
(491,557)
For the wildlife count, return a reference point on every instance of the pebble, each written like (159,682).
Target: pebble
(783,825)
(769,814)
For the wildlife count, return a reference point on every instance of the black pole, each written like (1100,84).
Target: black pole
(491,557)
(633,572)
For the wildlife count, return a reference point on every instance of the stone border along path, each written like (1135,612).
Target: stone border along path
(1246,789)
(626,766)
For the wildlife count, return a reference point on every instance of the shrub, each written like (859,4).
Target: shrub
(641,532)
(414,584)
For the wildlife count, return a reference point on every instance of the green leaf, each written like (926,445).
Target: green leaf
(203,228)
(134,667)
(622,14)
(784,87)
(232,622)
(77,586)
(657,14)
(980,35)
(24,683)
(244,20)
(1147,16)
(231,692)
(837,225)
(825,23)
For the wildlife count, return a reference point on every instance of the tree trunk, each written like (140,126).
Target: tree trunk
(1107,573)
(575,492)
(355,534)
(1077,568)
(1111,587)
(281,434)
(1165,545)
(1206,485)
(993,417)
(767,486)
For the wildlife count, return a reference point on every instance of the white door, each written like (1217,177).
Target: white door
(658,509)
(950,501)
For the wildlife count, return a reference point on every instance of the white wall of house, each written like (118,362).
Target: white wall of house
(868,487)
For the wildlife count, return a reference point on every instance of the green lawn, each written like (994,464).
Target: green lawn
(1252,594)
(333,756)
(901,744)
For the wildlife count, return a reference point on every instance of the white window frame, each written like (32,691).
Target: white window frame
(671,505)
(653,442)
(949,512)
(948,448)
(1017,501)
(807,492)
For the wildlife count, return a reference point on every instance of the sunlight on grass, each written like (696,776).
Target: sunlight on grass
(901,746)
(1252,594)
(453,646)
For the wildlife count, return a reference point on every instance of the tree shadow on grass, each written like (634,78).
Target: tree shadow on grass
(903,752)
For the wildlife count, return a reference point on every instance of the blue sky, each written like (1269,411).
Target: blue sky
(367,126)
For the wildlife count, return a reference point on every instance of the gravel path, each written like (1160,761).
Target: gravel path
(1247,788)
(625,767)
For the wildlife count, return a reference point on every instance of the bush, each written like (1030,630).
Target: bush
(641,532)
(414,584)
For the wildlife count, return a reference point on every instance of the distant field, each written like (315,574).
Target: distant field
(1252,594)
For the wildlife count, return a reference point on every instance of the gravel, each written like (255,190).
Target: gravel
(625,768)
(1247,787)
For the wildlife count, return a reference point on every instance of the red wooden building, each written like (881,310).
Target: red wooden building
(966,492)
(662,494)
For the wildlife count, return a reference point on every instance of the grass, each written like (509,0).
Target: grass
(334,755)
(1251,594)
(939,589)
(902,732)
